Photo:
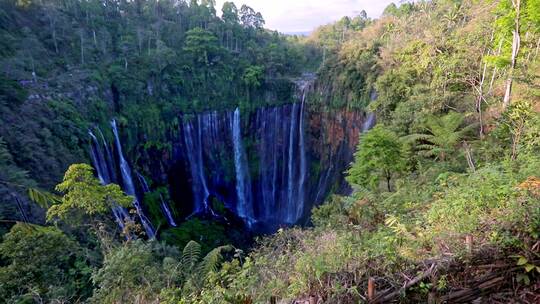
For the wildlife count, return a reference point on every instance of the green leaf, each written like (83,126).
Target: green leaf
(522,261)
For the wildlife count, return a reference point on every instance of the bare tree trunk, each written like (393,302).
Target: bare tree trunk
(494,70)
(515,51)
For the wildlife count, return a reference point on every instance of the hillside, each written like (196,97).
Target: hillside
(390,160)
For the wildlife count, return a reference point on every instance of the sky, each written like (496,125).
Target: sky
(289,16)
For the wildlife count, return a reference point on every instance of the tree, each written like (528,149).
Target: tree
(83,192)
(513,14)
(379,156)
(515,18)
(443,135)
(250,18)
(229,13)
(202,46)
(252,78)
(42,265)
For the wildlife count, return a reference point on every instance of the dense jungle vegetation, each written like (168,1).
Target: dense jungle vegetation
(446,201)
(70,65)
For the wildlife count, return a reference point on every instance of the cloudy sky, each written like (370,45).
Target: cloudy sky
(305,15)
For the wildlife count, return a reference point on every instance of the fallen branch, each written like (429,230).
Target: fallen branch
(388,295)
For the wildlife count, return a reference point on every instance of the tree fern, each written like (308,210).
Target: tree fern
(443,135)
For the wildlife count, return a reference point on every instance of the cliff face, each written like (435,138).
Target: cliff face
(269,166)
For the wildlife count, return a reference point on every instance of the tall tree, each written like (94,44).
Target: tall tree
(250,18)
(229,13)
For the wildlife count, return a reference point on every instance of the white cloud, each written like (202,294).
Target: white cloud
(305,15)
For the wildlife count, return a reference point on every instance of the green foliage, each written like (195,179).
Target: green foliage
(13,181)
(136,270)
(379,157)
(146,271)
(42,264)
(393,88)
(83,192)
(208,234)
(445,134)
(425,60)
(67,65)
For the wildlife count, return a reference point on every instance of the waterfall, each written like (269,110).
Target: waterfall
(143,183)
(193,144)
(275,187)
(277,193)
(97,159)
(291,210)
(109,160)
(371,118)
(303,163)
(101,164)
(281,190)
(269,155)
(167,212)
(244,205)
(127,182)
(369,123)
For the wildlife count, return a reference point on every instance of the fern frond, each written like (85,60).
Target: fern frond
(190,256)
(212,260)
(416,137)
(43,198)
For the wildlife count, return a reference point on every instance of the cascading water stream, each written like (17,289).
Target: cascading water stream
(143,183)
(244,205)
(129,187)
(167,212)
(194,151)
(164,206)
(101,165)
(303,162)
(371,119)
(291,210)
